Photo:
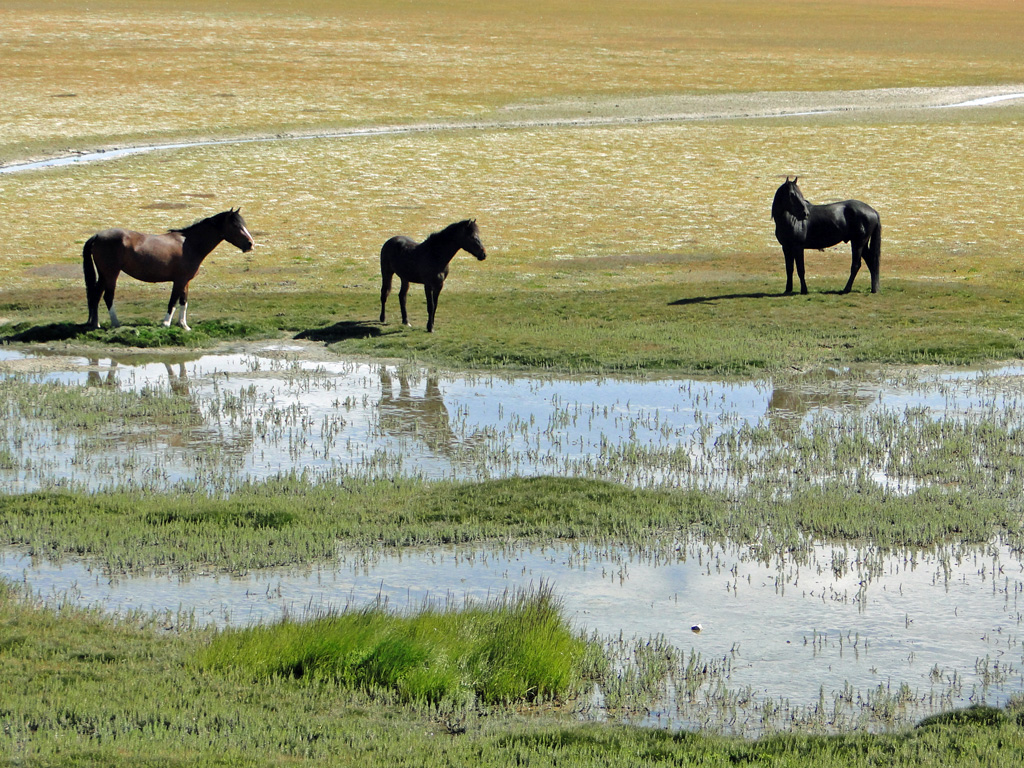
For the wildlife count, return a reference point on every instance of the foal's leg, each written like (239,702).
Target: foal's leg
(402,293)
(857,247)
(432,291)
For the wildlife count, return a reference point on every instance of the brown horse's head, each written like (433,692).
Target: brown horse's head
(470,239)
(234,230)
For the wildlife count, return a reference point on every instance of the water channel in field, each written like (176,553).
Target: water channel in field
(839,635)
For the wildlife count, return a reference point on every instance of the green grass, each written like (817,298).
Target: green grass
(733,328)
(518,649)
(291,521)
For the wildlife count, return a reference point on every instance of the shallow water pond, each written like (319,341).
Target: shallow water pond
(833,637)
(216,420)
(845,637)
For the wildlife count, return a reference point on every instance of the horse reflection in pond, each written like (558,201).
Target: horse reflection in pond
(800,225)
(173,257)
(425,263)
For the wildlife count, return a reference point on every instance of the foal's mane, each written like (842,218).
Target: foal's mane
(448,231)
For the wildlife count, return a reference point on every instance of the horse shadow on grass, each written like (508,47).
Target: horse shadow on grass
(723,297)
(45,333)
(753,295)
(346,329)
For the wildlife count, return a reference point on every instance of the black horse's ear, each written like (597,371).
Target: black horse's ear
(796,179)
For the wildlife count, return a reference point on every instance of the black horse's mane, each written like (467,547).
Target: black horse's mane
(779,203)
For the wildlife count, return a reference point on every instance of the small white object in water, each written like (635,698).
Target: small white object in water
(696,628)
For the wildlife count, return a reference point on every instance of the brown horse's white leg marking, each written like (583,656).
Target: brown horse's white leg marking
(182,321)
(114,322)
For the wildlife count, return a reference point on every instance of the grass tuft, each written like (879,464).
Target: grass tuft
(517,649)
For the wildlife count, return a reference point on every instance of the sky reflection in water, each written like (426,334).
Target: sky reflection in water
(946,623)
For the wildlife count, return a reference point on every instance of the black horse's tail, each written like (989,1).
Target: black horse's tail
(88,267)
(875,254)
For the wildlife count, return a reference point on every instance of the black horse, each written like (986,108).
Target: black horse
(800,225)
(426,263)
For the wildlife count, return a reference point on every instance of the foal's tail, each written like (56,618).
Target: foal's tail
(875,255)
(88,267)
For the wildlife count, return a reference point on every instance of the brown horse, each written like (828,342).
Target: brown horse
(174,257)
(425,263)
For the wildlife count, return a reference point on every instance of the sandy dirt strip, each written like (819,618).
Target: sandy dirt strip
(883,102)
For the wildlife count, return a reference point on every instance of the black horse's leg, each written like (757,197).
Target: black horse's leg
(874,257)
(789,270)
(402,293)
(857,248)
(798,257)
(385,290)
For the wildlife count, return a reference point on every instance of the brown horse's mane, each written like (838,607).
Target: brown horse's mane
(197,222)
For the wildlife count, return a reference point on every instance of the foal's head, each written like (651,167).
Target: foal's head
(233,229)
(469,239)
(789,199)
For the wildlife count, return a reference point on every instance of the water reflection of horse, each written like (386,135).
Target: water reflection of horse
(425,415)
(173,257)
(177,375)
(790,405)
(404,413)
(425,263)
(800,225)
(190,427)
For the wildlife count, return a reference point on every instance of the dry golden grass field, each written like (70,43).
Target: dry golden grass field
(600,145)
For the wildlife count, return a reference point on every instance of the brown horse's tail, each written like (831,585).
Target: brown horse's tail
(88,267)
(875,254)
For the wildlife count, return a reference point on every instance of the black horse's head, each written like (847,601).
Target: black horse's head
(469,239)
(789,199)
(233,229)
